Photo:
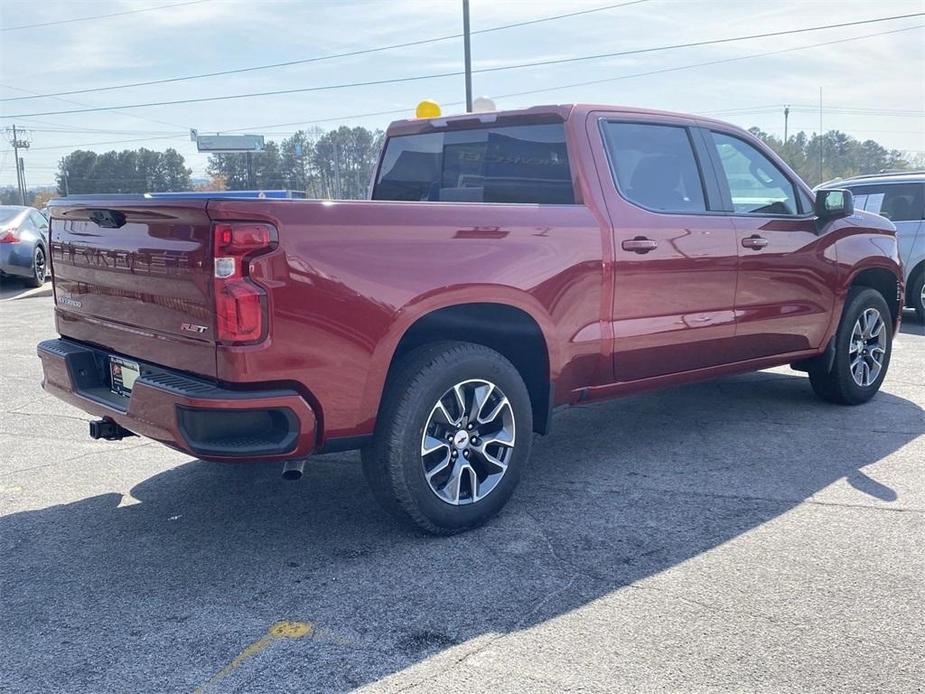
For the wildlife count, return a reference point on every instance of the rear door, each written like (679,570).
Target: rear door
(674,257)
(135,277)
(904,205)
(785,293)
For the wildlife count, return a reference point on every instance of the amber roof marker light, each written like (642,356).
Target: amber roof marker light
(428,108)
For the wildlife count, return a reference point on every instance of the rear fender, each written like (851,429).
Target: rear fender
(428,303)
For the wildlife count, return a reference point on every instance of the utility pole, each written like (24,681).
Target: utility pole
(786,119)
(66,191)
(468,56)
(19,140)
(337,190)
(22,177)
(19,185)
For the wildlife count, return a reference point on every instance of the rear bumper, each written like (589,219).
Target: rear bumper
(189,414)
(16,258)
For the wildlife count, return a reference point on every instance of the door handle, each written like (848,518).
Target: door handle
(640,245)
(755,242)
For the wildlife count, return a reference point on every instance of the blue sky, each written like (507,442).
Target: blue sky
(872,87)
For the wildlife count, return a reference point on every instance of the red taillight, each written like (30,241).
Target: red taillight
(9,235)
(240,303)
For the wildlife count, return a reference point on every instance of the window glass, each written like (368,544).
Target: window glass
(38,220)
(756,184)
(513,164)
(654,166)
(898,202)
(8,214)
(807,201)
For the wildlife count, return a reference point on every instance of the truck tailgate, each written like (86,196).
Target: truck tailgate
(135,277)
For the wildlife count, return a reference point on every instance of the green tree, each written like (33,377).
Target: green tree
(248,170)
(344,159)
(128,171)
(335,164)
(297,161)
(10,196)
(833,155)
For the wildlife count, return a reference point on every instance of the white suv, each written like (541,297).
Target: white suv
(900,197)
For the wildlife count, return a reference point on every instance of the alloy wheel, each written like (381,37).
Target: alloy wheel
(38,265)
(867,347)
(468,441)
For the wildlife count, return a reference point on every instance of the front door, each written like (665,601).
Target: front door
(787,273)
(674,258)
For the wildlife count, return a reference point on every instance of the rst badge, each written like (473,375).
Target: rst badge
(193,328)
(67,300)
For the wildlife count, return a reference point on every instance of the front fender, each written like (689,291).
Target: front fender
(865,242)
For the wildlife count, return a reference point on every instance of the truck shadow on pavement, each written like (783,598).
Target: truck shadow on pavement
(163,590)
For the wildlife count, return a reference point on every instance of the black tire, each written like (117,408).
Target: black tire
(393,464)
(39,265)
(838,385)
(916,300)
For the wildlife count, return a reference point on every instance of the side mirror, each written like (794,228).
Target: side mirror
(832,204)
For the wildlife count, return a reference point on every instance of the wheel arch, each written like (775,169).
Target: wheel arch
(884,280)
(512,326)
(914,274)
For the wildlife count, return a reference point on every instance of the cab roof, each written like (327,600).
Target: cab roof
(549,113)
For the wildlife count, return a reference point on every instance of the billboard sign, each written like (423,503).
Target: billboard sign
(229,143)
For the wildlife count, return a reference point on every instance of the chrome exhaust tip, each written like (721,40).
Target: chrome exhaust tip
(293,469)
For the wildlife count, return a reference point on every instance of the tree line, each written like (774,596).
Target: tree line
(335,164)
(339,163)
(835,155)
(128,171)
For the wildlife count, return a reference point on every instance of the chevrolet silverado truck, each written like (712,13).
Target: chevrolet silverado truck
(506,264)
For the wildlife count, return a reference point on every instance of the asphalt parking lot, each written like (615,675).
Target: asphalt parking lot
(731,536)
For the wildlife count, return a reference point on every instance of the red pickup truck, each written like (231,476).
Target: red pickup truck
(507,263)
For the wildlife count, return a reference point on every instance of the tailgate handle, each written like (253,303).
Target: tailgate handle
(108,219)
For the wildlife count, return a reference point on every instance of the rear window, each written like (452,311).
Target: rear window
(898,202)
(513,164)
(8,214)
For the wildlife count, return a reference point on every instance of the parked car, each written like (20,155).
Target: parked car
(900,197)
(23,244)
(507,263)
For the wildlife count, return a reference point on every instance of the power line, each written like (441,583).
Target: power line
(137,116)
(100,16)
(845,110)
(706,64)
(73,131)
(523,93)
(695,44)
(590,82)
(250,95)
(416,78)
(303,61)
(107,142)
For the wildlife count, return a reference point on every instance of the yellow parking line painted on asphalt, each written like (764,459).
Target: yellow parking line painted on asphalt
(280,630)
